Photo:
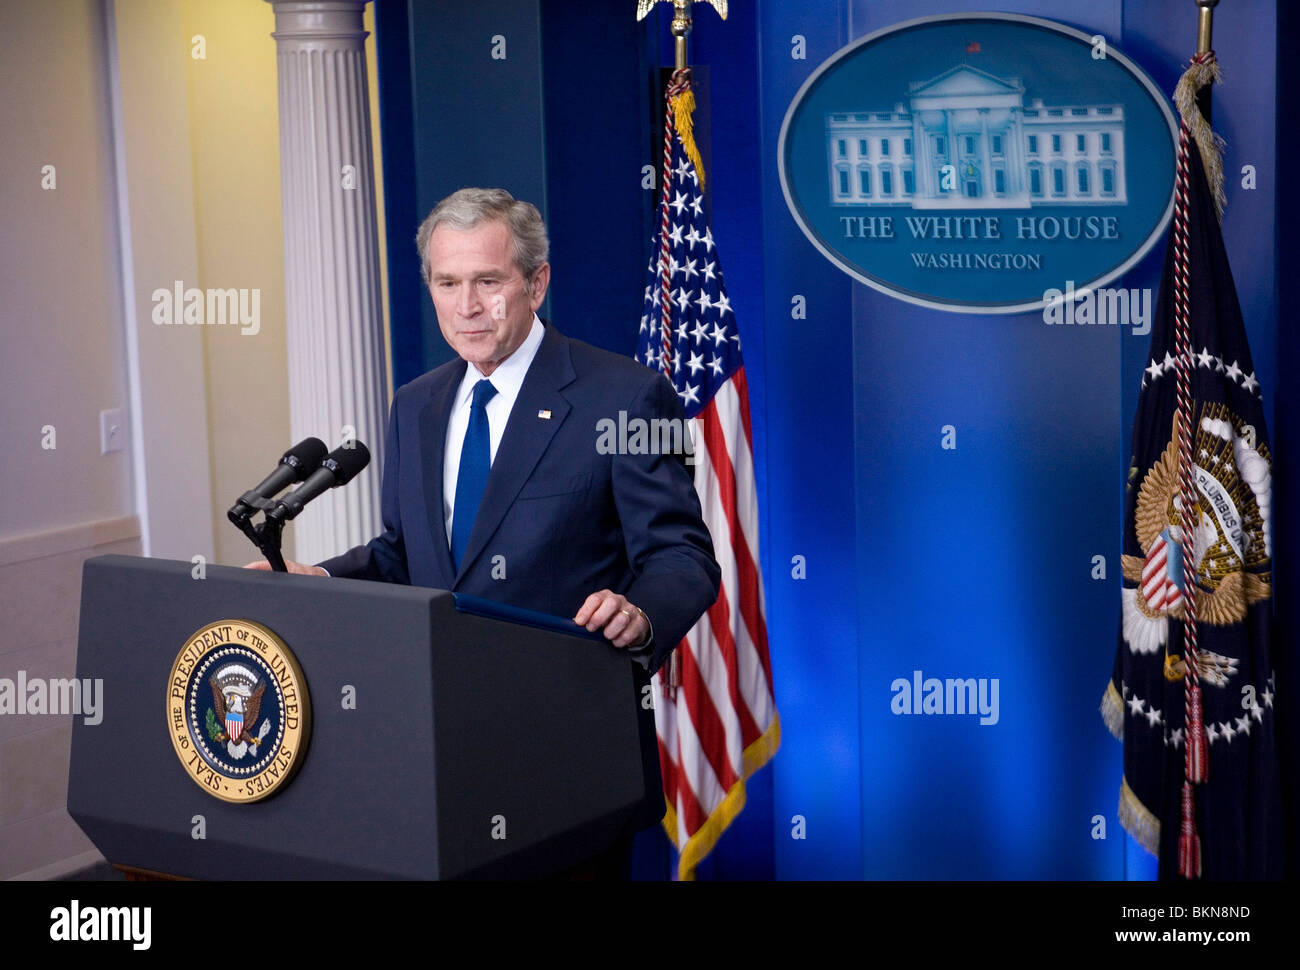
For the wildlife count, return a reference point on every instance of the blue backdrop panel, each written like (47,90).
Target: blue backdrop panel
(466,78)
(883,553)
(983,561)
(597,109)
(811,478)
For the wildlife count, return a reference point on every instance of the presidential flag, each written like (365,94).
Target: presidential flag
(1193,693)
(715,714)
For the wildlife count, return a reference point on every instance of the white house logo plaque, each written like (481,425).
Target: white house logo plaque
(976,162)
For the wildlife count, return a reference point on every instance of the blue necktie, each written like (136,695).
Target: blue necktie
(475,462)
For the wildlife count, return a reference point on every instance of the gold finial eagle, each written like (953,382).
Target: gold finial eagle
(643,6)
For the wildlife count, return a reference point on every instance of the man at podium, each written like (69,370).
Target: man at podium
(496,479)
(498,483)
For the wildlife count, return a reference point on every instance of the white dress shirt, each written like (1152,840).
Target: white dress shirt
(508,378)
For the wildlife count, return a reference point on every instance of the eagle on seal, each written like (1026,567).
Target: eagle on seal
(244,711)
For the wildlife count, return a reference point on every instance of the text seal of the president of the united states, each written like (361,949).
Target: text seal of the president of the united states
(238,710)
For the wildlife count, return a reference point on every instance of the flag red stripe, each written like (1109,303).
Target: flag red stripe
(669,772)
(746,567)
(719,616)
(708,725)
(688,806)
(753,614)
(742,392)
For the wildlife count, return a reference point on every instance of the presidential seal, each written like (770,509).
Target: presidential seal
(238,710)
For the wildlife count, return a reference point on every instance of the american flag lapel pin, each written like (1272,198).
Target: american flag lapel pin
(544,414)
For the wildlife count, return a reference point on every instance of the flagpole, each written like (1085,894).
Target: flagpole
(681,30)
(681,23)
(1205,24)
(1204,38)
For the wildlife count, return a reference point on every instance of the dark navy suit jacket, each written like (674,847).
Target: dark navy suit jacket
(567,519)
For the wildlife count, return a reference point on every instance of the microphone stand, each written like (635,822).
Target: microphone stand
(266,534)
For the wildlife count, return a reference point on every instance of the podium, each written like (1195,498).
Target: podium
(450,737)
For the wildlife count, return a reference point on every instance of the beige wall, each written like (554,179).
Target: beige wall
(234,138)
(235,146)
(62,356)
(62,360)
(167,169)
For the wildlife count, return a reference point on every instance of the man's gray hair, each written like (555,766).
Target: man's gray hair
(466,208)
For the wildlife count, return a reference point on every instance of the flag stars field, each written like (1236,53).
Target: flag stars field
(1214,731)
(1205,359)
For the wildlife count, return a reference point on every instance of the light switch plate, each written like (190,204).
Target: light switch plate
(112,431)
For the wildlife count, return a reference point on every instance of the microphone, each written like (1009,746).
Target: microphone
(339,467)
(295,465)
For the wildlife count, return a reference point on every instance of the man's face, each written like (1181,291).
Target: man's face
(485,307)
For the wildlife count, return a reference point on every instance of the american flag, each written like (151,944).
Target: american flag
(715,713)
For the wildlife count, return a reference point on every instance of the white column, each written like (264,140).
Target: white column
(986,157)
(921,160)
(1017,187)
(950,141)
(331,258)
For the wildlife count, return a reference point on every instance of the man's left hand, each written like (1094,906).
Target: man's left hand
(623,624)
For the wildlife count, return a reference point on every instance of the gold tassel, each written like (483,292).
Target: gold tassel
(1112,711)
(1137,820)
(1211,145)
(683,107)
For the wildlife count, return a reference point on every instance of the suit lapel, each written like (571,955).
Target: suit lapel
(526,438)
(433,436)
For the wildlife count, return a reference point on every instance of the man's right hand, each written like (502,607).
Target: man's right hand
(294,567)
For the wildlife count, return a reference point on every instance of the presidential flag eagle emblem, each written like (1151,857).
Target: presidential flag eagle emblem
(1231,542)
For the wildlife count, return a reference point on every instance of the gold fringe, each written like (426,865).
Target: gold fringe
(1211,145)
(1137,820)
(702,842)
(761,751)
(683,107)
(1112,711)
